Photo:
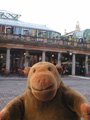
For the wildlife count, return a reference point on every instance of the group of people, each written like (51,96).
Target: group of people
(80,70)
(67,69)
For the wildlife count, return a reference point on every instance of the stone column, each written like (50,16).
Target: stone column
(26,60)
(37,35)
(59,59)
(21,64)
(86,65)
(43,56)
(5,28)
(8,60)
(73,63)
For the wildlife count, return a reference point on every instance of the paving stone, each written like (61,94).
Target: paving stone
(11,87)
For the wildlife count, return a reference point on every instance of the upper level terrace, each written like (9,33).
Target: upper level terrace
(41,43)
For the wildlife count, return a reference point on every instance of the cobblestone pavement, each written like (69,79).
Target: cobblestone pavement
(11,87)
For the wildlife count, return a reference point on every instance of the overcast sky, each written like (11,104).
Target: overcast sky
(55,14)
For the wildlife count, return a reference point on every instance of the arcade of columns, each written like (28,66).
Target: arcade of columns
(43,59)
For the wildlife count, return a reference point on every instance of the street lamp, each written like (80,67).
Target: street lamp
(70,52)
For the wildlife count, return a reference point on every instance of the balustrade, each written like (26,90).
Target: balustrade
(23,38)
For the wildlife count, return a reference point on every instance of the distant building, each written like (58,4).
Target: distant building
(78,35)
(82,36)
(65,32)
(77,28)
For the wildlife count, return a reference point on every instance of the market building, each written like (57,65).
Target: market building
(24,44)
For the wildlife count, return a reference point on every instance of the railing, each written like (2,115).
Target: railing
(31,39)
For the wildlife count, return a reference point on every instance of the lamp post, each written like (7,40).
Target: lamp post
(69,52)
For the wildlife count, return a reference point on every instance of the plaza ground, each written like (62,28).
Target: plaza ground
(11,87)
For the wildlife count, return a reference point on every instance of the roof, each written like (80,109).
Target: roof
(18,23)
(70,33)
(82,34)
(79,34)
(9,15)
